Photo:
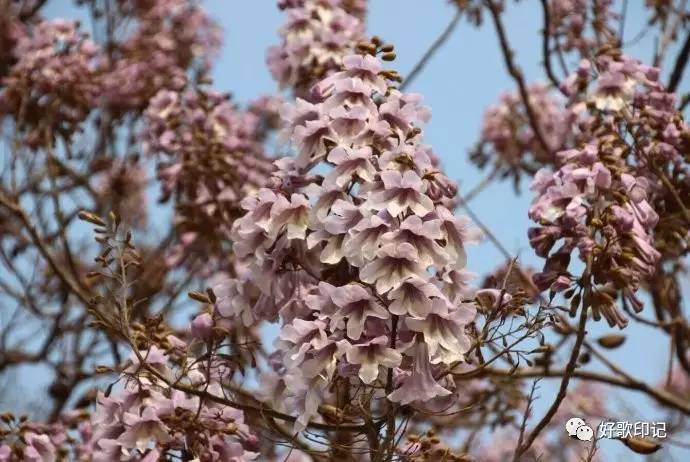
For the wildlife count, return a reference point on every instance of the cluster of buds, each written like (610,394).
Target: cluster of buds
(606,198)
(593,205)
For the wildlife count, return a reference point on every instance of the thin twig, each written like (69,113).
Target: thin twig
(621,27)
(42,247)
(660,396)
(546,53)
(438,43)
(528,412)
(25,15)
(516,73)
(679,67)
(569,369)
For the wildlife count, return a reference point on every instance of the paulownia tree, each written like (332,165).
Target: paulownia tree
(323,212)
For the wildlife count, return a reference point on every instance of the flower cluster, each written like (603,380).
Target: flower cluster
(213,159)
(53,85)
(607,197)
(30,441)
(353,249)
(568,23)
(659,141)
(170,38)
(316,37)
(591,204)
(508,139)
(149,420)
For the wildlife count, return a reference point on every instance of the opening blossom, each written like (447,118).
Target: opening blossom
(316,37)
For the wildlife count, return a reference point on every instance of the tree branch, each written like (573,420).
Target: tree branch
(546,55)
(516,73)
(438,43)
(679,67)
(562,391)
(19,212)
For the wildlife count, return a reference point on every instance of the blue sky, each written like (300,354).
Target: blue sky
(464,77)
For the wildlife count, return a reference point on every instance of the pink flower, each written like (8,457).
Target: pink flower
(39,448)
(399,193)
(53,85)
(355,304)
(169,38)
(202,326)
(213,158)
(414,297)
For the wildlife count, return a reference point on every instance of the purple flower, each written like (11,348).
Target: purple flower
(413,297)
(423,235)
(349,163)
(39,448)
(293,214)
(372,354)
(374,257)
(444,330)
(393,264)
(399,193)
(202,326)
(355,304)
(142,429)
(420,385)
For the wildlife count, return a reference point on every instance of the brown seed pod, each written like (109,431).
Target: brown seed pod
(611,341)
(641,445)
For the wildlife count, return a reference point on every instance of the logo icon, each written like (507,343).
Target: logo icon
(577,428)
